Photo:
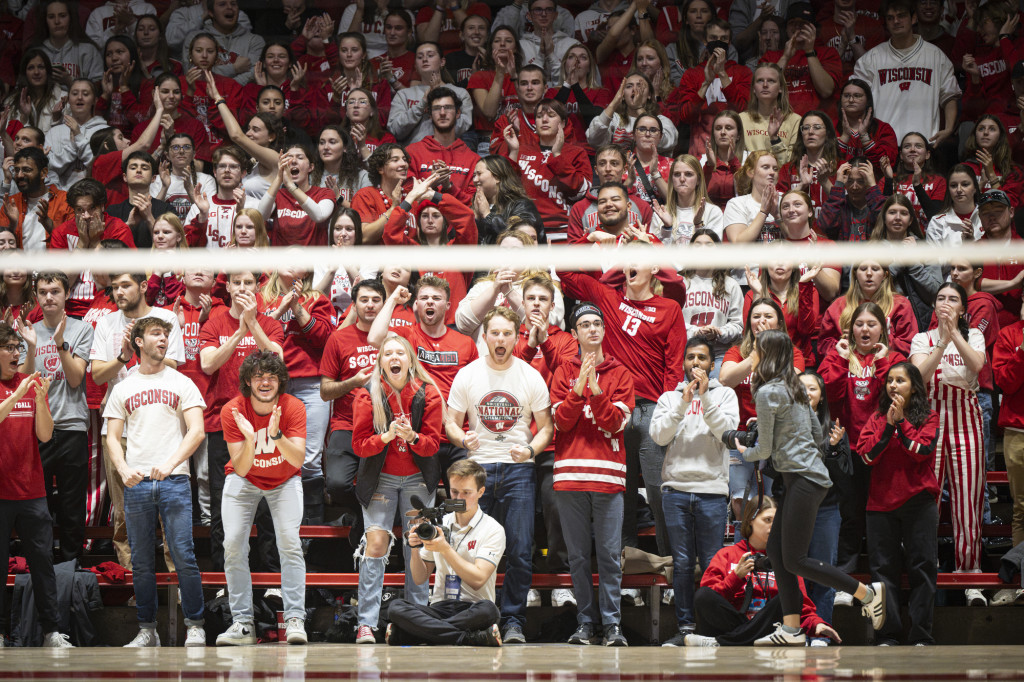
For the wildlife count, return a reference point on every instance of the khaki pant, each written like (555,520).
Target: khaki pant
(115,487)
(1013,452)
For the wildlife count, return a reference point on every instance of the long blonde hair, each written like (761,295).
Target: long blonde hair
(593,79)
(700,192)
(377,385)
(262,240)
(884,297)
(174,221)
(273,289)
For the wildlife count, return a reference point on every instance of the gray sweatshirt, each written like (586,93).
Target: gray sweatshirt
(789,433)
(696,459)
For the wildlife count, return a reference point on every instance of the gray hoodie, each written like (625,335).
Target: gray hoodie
(789,433)
(696,459)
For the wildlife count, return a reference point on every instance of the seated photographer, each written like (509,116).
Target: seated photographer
(465,554)
(737,601)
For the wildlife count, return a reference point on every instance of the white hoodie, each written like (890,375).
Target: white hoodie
(696,459)
(100,26)
(71,157)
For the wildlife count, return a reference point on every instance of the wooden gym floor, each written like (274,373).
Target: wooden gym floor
(555,663)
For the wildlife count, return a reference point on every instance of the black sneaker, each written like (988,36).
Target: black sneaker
(487,637)
(613,636)
(583,635)
(679,639)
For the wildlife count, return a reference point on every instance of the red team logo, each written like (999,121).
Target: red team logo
(904,87)
(499,411)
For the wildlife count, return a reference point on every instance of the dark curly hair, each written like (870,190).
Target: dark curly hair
(917,408)
(262,362)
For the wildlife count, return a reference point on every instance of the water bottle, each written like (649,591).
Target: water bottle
(339,609)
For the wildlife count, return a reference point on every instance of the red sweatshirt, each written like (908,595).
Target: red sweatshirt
(684,105)
(461,161)
(648,336)
(903,457)
(559,347)
(303,346)
(747,407)
(590,454)
(803,97)
(720,180)
(901,321)
(883,143)
(719,576)
(583,218)
(1008,310)
(803,326)
(1008,367)
(555,183)
(398,461)
(854,399)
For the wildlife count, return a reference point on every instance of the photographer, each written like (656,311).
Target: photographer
(738,601)
(466,555)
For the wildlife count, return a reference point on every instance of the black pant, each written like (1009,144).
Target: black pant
(447,455)
(66,457)
(31,519)
(266,556)
(340,466)
(908,534)
(717,618)
(444,622)
(853,498)
(558,553)
(789,540)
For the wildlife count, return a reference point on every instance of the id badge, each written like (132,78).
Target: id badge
(756,605)
(452,587)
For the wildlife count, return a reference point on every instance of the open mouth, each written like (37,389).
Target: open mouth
(500,351)
(395,368)
(631,273)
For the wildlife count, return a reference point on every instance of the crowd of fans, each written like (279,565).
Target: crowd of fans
(227,125)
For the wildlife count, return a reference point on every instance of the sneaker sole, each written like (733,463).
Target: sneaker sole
(878,621)
(297,639)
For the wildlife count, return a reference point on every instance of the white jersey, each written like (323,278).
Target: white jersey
(952,370)
(703,308)
(220,219)
(908,86)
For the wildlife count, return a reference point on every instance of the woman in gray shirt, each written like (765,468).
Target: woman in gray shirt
(789,433)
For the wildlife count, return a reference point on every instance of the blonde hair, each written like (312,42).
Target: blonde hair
(666,70)
(884,297)
(781,101)
(700,192)
(416,373)
(273,289)
(744,176)
(174,221)
(593,79)
(262,240)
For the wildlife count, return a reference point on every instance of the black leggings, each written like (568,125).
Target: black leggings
(789,540)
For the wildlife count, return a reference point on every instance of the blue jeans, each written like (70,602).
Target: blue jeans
(318,415)
(393,493)
(238,508)
(171,499)
(509,498)
(581,514)
(696,528)
(824,547)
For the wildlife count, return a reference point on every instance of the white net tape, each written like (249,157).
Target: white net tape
(476,258)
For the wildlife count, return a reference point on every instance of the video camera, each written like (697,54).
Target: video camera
(428,531)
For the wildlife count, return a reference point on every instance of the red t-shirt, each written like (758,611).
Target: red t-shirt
(269,467)
(100,308)
(403,66)
(107,169)
(293,226)
(304,345)
(444,356)
(223,384)
(19,449)
(747,409)
(483,80)
(347,352)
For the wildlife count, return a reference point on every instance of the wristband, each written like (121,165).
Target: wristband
(776,140)
(123,361)
(437,197)
(415,439)
(405,206)
(764,213)
(811,53)
(533,453)
(278,436)
(219,102)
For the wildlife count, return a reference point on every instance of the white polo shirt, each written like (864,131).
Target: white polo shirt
(482,538)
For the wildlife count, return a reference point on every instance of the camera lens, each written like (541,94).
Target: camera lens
(426,531)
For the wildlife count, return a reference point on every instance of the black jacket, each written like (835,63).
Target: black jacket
(78,596)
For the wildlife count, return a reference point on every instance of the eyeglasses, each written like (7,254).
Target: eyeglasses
(12,348)
(643,130)
(181,147)
(590,325)
(443,107)
(817,127)
(228,167)
(544,10)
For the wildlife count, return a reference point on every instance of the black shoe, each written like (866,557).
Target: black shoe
(679,639)
(488,637)
(613,636)
(584,634)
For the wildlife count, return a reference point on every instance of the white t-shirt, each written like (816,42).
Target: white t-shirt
(683,230)
(106,342)
(951,370)
(481,538)
(152,407)
(499,405)
(33,232)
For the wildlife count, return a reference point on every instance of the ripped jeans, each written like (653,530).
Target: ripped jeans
(393,494)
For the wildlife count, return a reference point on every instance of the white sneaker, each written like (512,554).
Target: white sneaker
(57,640)
(700,641)
(196,636)
(562,596)
(1006,597)
(875,609)
(220,593)
(843,599)
(272,593)
(975,597)
(668,596)
(632,597)
(239,634)
(147,637)
(781,638)
(532,598)
(295,632)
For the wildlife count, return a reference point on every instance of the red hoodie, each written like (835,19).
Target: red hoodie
(1008,367)
(555,183)
(590,454)
(461,162)
(855,398)
(719,576)
(903,457)
(684,105)
(901,320)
